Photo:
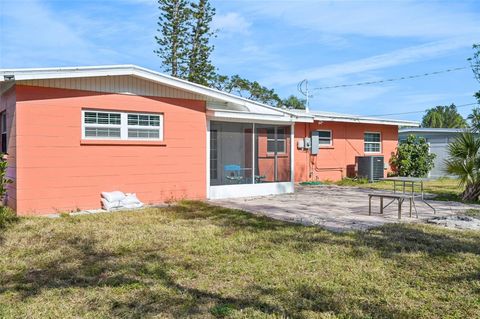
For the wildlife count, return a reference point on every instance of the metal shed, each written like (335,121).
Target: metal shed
(438,139)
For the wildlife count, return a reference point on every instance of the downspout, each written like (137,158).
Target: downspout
(307,160)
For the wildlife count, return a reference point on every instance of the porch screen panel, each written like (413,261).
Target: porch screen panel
(273,156)
(231,155)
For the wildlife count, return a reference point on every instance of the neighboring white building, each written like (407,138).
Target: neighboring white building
(438,139)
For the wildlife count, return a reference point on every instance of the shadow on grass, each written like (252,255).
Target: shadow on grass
(389,239)
(393,239)
(93,268)
(88,265)
(82,266)
(225,217)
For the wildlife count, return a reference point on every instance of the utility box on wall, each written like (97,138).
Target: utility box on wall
(307,143)
(310,144)
(315,143)
(370,167)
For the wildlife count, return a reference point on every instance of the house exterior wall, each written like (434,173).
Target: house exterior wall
(57,171)
(8,104)
(338,161)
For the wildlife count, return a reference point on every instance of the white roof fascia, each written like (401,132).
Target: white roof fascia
(133,70)
(118,70)
(254,117)
(365,120)
(432,130)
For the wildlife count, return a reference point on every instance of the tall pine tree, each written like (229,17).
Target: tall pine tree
(185,49)
(200,67)
(173,38)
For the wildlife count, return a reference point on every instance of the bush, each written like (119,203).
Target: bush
(464,161)
(7,216)
(4,180)
(412,158)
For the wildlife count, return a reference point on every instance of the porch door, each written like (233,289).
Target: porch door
(273,156)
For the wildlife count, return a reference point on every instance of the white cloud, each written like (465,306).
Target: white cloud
(37,33)
(372,18)
(231,23)
(31,30)
(394,58)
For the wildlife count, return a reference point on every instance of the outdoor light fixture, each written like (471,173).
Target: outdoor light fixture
(9,77)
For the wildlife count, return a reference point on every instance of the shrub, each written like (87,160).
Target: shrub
(412,157)
(464,162)
(7,216)
(4,180)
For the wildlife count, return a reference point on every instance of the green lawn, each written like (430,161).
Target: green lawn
(195,260)
(444,188)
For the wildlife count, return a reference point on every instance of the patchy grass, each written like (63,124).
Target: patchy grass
(446,189)
(472,213)
(195,260)
(7,217)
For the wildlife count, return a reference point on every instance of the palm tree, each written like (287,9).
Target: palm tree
(464,162)
(474,119)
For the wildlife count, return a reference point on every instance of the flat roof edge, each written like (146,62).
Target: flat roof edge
(367,120)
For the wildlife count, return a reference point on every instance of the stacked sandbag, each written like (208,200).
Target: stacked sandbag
(131,201)
(119,200)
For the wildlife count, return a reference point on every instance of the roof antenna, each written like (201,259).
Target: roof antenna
(302,87)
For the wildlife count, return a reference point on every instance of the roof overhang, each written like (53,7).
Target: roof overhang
(232,115)
(133,70)
(220,104)
(365,120)
(432,130)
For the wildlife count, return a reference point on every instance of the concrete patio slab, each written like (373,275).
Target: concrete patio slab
(337,208)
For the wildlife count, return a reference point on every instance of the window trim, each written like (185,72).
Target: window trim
(123,126)
(276,140)
(331,139)
(380,143)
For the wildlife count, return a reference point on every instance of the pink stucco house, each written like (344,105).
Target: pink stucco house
(71,133)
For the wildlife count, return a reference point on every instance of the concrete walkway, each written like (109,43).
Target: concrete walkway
(337,208)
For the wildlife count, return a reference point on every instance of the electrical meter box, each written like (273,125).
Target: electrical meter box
(300,144)
(307,143)
(315,143)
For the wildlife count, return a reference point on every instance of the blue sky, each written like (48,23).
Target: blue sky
(278,43)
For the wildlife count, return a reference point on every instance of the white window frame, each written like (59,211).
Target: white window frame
(380,143)
(123,126)
(319,138)
(276,140)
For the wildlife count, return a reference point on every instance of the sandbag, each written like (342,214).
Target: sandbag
(131,201)
(113,196)
(130,198)
(119,200)
(110,205)
(132,206)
